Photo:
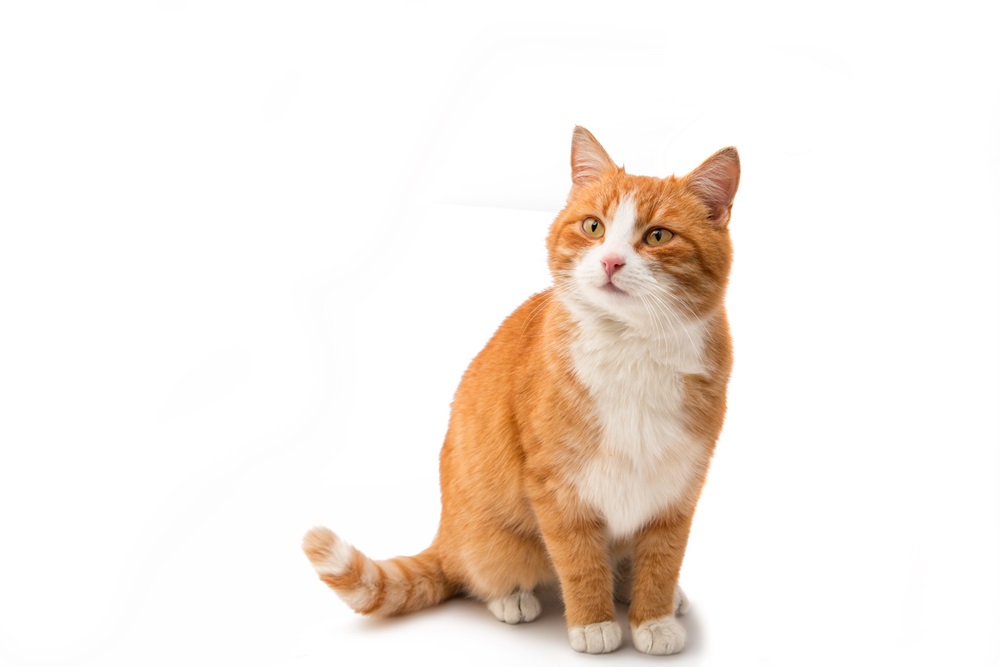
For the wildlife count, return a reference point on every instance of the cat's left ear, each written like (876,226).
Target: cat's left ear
(715,182)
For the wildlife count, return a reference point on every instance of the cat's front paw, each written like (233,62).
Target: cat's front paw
(518,607)
(602,637)
(660,636)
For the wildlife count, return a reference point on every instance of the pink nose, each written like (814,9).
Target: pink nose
(612,263)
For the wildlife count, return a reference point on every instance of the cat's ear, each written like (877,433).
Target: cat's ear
(588,157)
(715,182)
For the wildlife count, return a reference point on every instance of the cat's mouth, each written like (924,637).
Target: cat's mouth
(610,288)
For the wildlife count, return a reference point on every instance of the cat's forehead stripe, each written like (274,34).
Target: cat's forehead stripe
(622,226)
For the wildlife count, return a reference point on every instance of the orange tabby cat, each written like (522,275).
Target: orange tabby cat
(581,435)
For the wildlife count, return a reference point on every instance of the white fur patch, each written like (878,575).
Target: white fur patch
(647,459)
(341,554)
(602,637)
(518,607)
(621,227)
(661,636)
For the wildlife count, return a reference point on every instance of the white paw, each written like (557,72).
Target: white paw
(681,604)
(661,636)
(518,607)
(602,637)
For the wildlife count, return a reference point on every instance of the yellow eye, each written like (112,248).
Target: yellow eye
(658,236)
(593,228)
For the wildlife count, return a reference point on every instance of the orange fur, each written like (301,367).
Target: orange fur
(523,424)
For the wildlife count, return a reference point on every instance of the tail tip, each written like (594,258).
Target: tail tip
(328,553)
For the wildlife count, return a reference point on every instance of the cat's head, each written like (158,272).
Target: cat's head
(638,249)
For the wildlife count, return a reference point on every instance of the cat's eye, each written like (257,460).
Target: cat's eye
(593,228)
(658,236)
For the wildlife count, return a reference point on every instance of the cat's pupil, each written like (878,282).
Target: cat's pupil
(658,234)
(593,226)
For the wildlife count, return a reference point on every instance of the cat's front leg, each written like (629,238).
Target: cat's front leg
(579,552)
(623,588)
(656,566)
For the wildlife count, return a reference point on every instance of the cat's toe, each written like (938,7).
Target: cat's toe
(602,637)
(681,604)
(518,607)
(660,636)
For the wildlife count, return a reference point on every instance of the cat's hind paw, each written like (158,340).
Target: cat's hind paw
(681,604)
(602,637)
(518,607)
(660,636)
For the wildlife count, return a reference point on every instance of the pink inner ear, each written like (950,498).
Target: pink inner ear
(588,157)
(716,181)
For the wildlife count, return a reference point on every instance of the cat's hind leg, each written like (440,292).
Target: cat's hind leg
(502,568)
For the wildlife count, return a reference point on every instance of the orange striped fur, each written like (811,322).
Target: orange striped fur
(581,435)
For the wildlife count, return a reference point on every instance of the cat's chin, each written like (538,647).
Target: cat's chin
(607,300)
(611,288)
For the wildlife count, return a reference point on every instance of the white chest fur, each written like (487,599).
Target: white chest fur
(647,459)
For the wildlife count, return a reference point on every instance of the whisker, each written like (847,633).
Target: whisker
(666,306)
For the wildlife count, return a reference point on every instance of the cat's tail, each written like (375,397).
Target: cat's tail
(379,588)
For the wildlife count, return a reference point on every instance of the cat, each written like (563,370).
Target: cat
(580,436)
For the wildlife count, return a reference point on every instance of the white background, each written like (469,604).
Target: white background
(247,250)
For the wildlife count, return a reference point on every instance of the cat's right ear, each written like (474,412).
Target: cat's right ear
(588,157)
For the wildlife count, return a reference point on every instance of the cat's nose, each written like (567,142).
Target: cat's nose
(612,263)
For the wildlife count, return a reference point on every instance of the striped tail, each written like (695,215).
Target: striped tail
(380,588)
